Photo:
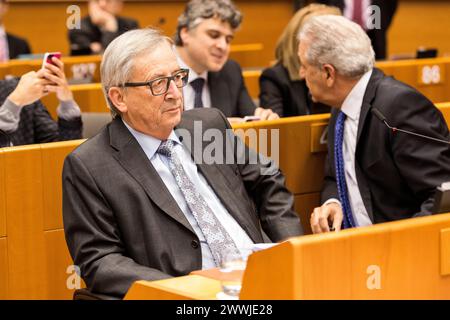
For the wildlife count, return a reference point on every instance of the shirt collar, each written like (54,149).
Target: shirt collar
(192,74)
(353,102)
(148,143)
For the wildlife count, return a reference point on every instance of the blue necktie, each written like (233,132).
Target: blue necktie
(197,85)
(218,239)
(348,221)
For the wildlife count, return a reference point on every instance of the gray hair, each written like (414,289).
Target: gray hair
(118,59)
(198,10)
(340,42)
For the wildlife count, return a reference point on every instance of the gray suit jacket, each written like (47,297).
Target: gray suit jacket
(122,224)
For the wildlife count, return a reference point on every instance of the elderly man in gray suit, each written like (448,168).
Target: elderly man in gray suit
(136,204)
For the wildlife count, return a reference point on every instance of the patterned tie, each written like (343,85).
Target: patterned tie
(197,85)
(357,15)
(348,221)
(218,239)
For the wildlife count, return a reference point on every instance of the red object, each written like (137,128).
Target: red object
(358,12)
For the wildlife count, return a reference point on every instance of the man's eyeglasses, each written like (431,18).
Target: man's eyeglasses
(160,86)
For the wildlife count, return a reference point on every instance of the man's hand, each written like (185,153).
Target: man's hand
(58,82)
(266,114)
(101,18)
(31,87)
(326,215)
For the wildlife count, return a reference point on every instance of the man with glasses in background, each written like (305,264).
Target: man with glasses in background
(138,205)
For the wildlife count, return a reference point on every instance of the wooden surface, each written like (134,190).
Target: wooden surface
(414,72)
(339,265)
(44,23)
(2,197)
(24,207)
(304,205)
(3,268)
(58,260)
(396,260)
(295,157)
(53,156)
(420,23)
(33,241)
(181,288)
(32,238)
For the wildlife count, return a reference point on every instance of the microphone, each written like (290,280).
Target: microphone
(377,113)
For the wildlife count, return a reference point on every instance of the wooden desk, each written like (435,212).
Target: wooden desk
(33,253)
(408,259)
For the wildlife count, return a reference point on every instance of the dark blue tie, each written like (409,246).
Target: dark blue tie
(348,221)
(197,85)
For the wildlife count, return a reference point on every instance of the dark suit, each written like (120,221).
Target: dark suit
(36,125)
(397,174)
(122,224)
(17,46)
(377,36)
(285,97)
(228,91)
(81,39)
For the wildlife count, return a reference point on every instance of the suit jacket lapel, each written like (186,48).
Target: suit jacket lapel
(131,156)
(364,188)
(216,178)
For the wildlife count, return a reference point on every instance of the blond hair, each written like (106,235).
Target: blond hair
(287,45)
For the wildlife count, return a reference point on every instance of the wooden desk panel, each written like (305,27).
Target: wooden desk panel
(302,168)
(44,23)
(2,197)
(58,260)
(395,260)
(24,220)
(304,205)
(53,155)
(180,288)
(429,76)
(251,79)
(445,109)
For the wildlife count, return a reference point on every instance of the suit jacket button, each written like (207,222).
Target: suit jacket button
(194,244)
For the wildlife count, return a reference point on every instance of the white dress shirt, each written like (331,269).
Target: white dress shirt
(188,91)
(4,50)
(352,109)
(161,164)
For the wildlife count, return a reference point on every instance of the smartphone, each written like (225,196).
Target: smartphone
(48,57)
(251,118)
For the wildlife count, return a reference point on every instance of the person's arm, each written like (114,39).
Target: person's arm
(93,236)
(69,120)
(270,95)
(9,116)
(30,88)
(265,185)
(423,164)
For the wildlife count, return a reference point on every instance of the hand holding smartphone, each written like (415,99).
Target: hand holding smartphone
(48,57)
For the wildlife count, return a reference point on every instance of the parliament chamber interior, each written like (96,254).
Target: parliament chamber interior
(70,205)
